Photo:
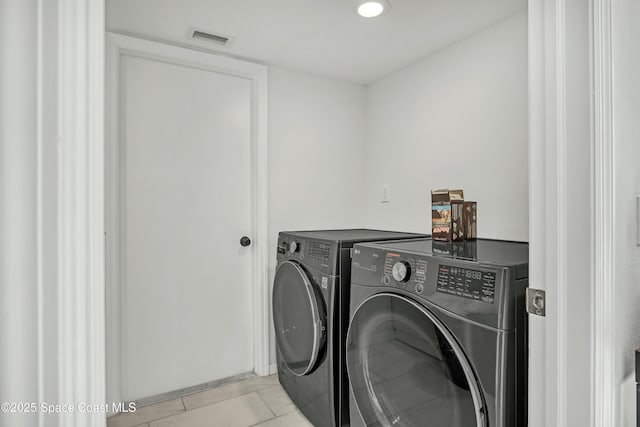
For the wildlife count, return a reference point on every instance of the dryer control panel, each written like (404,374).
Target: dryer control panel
(316,254)
(320,251)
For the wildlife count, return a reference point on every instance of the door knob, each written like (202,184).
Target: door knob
(245,241)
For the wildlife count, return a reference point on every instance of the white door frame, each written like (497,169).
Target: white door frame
(549,214)
(79,98)
(117,46)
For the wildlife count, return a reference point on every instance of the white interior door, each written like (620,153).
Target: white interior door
(185,200)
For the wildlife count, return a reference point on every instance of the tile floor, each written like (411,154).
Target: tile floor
(253,402)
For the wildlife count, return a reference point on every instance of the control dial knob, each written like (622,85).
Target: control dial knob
(401,271)
(293,247)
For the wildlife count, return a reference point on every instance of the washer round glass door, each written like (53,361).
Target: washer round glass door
(298,318)
(407,370)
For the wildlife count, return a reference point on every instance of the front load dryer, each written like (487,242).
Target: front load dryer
(310,309)
(438,334)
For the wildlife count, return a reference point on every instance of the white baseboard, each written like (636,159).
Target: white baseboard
(273,369)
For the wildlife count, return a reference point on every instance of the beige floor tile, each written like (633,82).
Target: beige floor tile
(228,391)
(242,411)
(293,419)
(147,413)
(277,400)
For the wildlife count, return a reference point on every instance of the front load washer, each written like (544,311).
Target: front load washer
(438,334)
(310,313)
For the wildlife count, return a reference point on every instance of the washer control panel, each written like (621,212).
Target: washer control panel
(477,290)
(425,276)
(467,283)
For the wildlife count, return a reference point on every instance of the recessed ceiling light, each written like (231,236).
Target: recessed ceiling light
(372,8)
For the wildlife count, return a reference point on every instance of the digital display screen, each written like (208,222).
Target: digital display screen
(467,283)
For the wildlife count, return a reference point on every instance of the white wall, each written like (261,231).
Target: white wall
(626,98)
(456,119)
(18,190)
(316,161)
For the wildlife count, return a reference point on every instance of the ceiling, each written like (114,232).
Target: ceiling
(324,37)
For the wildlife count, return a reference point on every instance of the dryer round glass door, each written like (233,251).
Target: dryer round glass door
(407,370)
(299,318)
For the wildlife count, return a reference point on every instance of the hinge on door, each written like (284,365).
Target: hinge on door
(536,302)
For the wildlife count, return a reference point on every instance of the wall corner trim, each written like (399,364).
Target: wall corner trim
(605,394)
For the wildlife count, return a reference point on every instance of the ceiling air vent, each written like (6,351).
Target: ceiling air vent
(213,38)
